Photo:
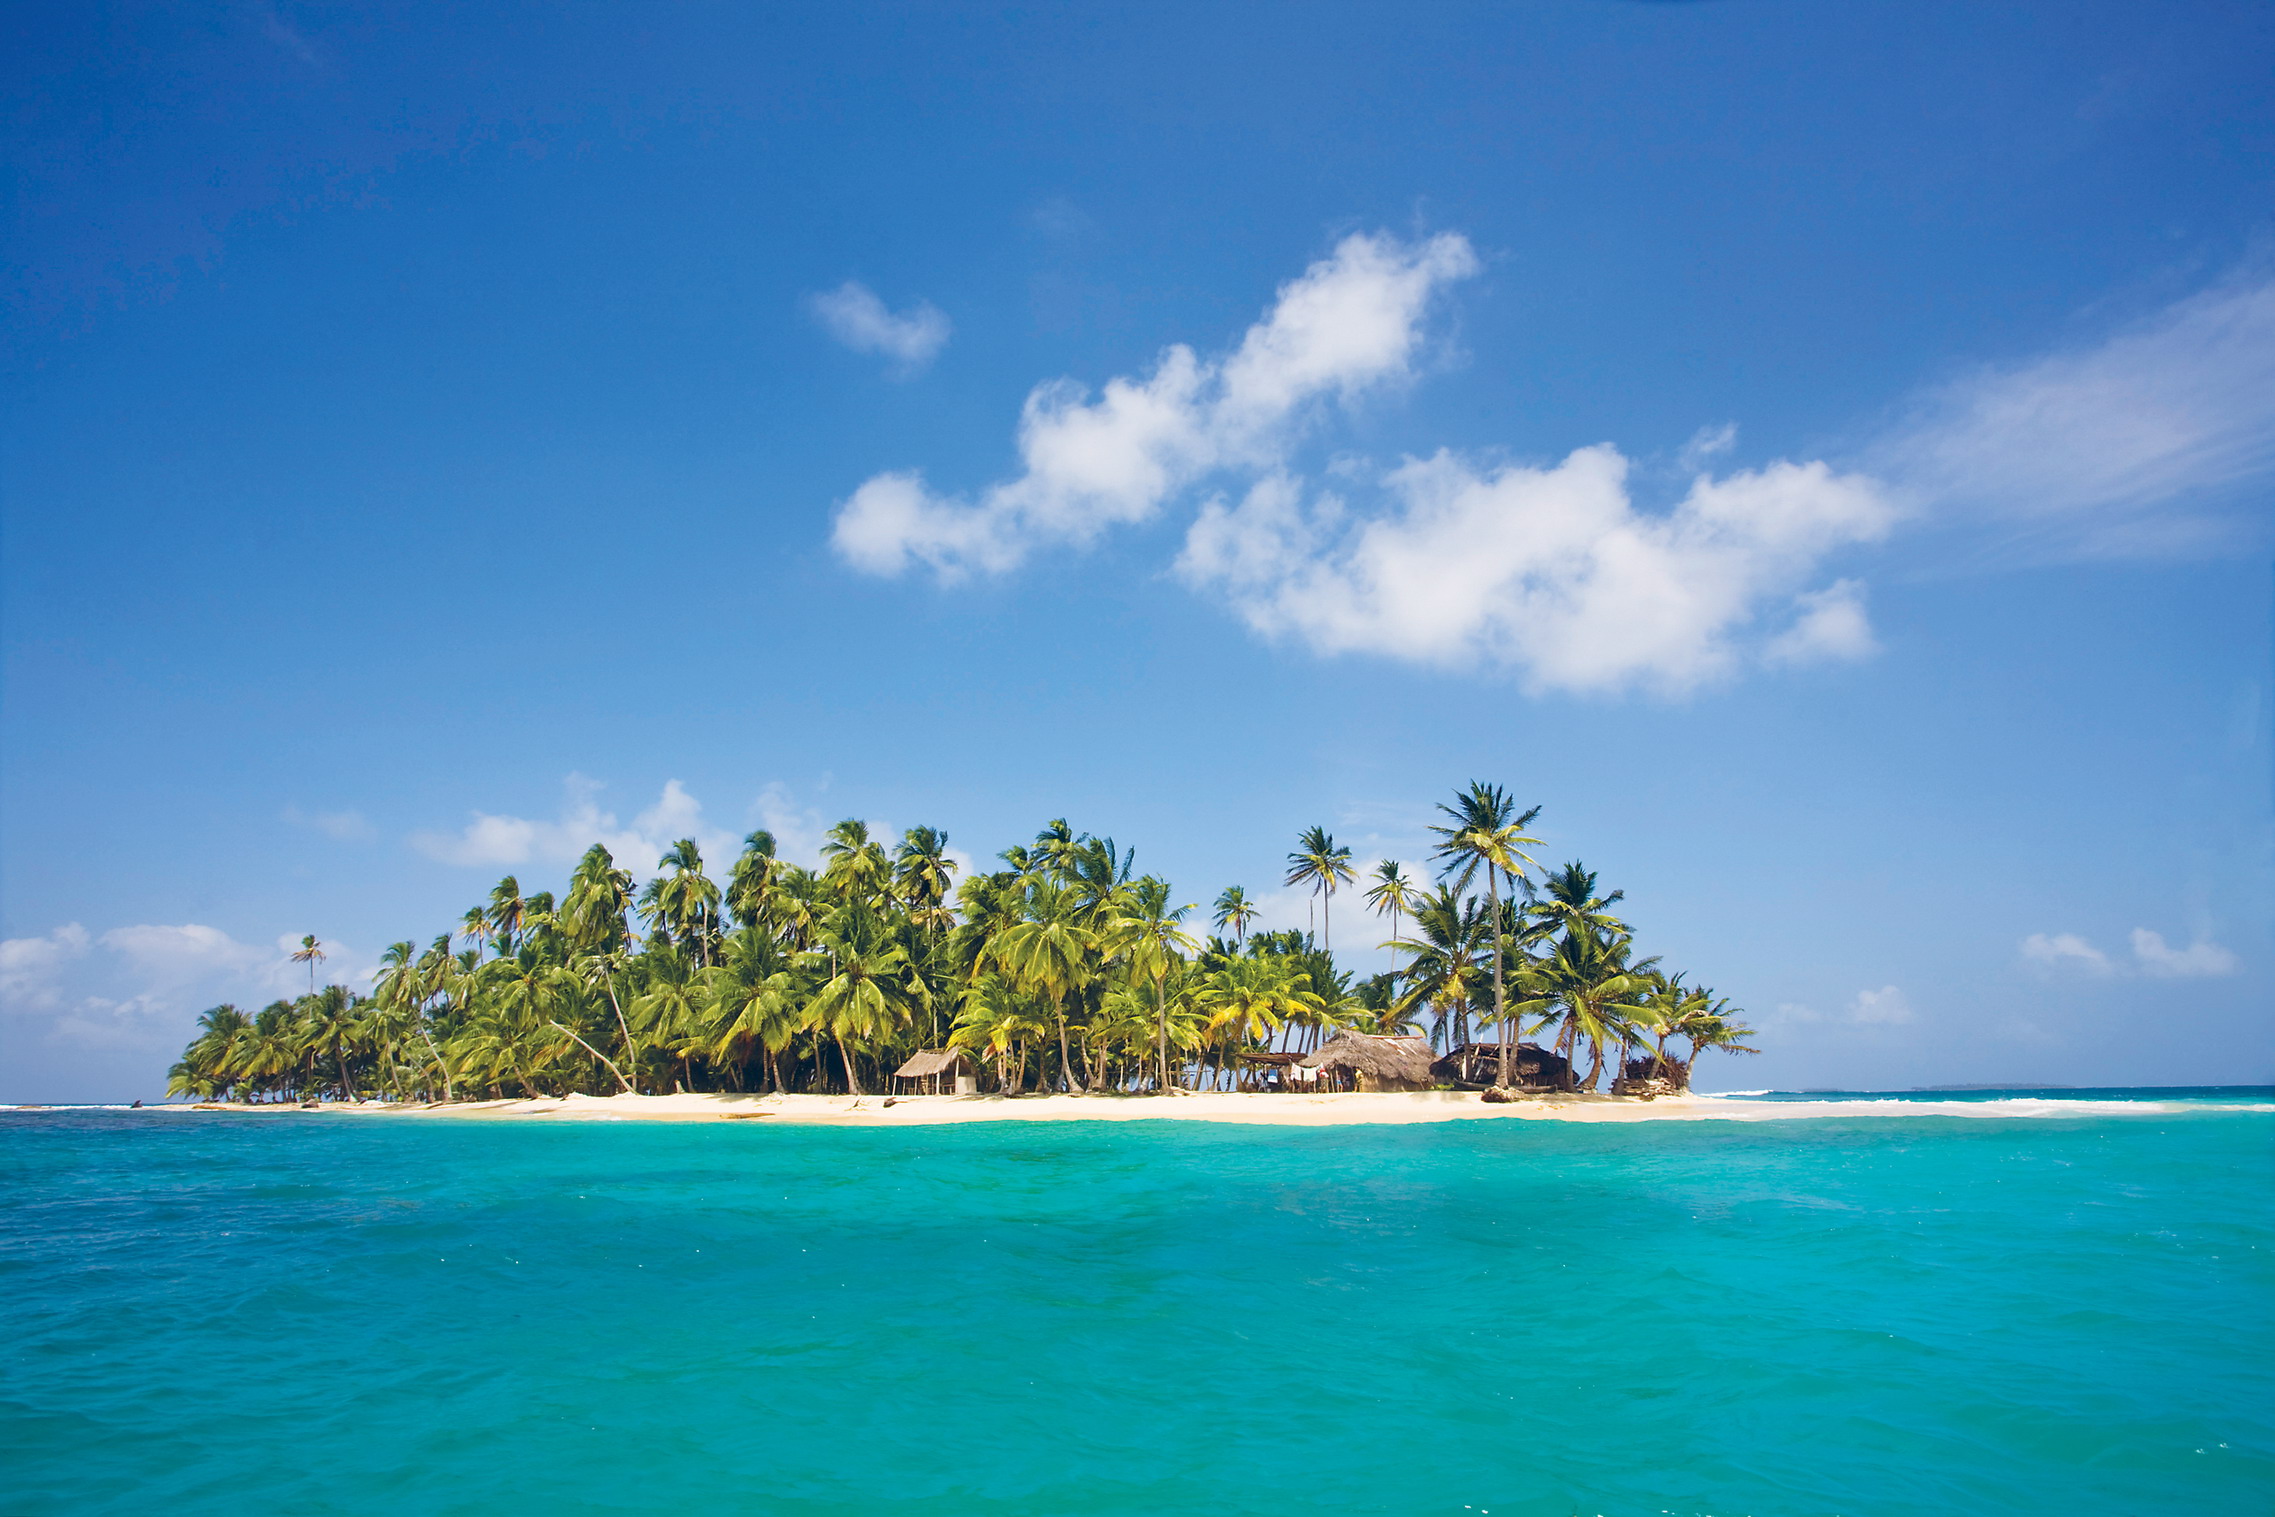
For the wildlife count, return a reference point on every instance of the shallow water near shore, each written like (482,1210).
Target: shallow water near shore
(1890,1316)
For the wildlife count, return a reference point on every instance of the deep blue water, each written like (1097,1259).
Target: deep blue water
(1878,1317)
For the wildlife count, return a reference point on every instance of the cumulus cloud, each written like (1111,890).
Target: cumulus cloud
(140,986)
(854,315)
(1553,572)
(344,826)
(2065,950)
(2091,448)
(495,841)
(2200,959)
(1350,323)
(31,968)
(1883,1007)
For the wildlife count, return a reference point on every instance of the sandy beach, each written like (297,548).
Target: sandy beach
(1265,1110)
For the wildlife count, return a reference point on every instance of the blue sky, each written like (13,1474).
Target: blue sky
(1821,456)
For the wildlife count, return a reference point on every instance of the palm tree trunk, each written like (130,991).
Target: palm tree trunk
(852,1085)
(1066,1069)
(1500,997)
(1161,1010)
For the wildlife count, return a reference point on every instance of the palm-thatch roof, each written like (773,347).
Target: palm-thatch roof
(1480,1064)
(934,1061)
(1377,1061)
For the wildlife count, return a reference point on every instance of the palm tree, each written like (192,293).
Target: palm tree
(1391,892)
(311,953)
(856,868)
(600,894)
(1047,953)
(683,904)
(1447,968)
(1322,865)
(750,888)
(1712,1027)
(1149,933)
(866,992)
(1234,911)
(924,877)
(507,909)
(1486,832)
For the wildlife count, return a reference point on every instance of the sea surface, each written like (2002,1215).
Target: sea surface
(1880,1316)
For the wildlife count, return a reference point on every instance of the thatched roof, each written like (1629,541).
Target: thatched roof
(1530,1064)
(933,1061)
(1266,1056)
(1383,1058)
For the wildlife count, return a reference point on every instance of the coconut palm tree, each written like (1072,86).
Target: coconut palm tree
(866,992)
(924,878)
(1483,830)
(1446,970)
(1046,954)
(311,953)
(682,904)
(1234,911)
(854,865)
(750,886)
(1152,943)
(507,909)
(1391,892)
(1321,864)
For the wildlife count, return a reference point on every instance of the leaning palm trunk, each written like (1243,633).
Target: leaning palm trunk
(852,1085)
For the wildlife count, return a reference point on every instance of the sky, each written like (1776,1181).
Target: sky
(1819,455)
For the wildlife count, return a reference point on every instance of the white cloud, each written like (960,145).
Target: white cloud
(345,826)
(507,842)
(1883,1007)
(2065,950)
(1552,572)
(1350,323)
(854,315)
(31,968)
(2200,959)
(2093,447)
(140,987)
(1831,625)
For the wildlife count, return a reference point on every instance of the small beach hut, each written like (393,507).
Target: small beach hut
(939,1071)
(1480,1064)
(1372,1062)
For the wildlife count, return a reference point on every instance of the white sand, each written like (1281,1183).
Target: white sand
(1254,1109)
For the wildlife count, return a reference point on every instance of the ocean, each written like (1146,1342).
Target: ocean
(1879,1316)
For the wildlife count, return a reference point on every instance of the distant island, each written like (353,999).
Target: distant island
(1062,971)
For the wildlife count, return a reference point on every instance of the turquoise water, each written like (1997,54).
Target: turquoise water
(1875,1317)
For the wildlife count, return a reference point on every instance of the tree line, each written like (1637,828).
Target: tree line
(1062,970)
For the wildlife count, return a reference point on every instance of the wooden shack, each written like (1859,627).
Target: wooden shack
(1479,1064)
(938,1071)
(1370,1062)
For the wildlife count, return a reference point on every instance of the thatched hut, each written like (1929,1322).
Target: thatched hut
(942,1070)
(1475,1064)
(1373,1063)
(1268,1068)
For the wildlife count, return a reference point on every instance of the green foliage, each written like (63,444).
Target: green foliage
(1061,970)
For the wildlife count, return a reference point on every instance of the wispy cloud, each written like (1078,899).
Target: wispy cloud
(344,826)
(2118,447)
(2065,950)
(495,840)
(1885,1007)
(2152,956)
(854,315)
(2200,959)
(140,987)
